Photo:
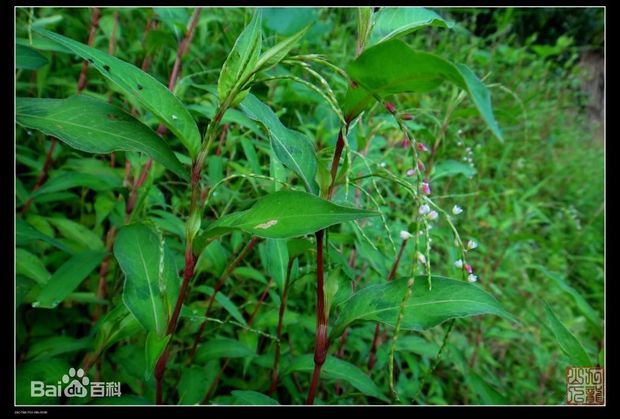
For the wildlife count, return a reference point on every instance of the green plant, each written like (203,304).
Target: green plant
(225,209)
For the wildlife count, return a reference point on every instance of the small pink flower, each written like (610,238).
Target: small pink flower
(407,117)
(406,143)
(422,147)
(425,188)
(468,268)
(410,172)
(432,215)
(391,108)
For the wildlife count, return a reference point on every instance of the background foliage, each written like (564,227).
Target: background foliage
(533,202)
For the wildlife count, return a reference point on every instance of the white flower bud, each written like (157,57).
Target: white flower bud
(421,258)
(472,278)
(459,264)
(456,210)
(405,235)
(424,209)
(471,245)
(432,215)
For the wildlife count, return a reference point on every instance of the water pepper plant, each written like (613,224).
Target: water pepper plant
(231,208)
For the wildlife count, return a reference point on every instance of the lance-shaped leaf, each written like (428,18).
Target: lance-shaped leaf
(28,58)
(286,214)
(392,22)
(292,148)
(569,344)
(151,276)
(425,308)
(337,369)
(94,126)
(242,59)
(277,53)
(67,278)
(142,87)
(392,67)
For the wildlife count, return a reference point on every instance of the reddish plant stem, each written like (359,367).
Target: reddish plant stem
(372,358)
(81,85)
(49,159)
(320,343)
(276,357)
(96,14)
(103,271)
(112,42)
(216,289)
(335,161)
(218,151)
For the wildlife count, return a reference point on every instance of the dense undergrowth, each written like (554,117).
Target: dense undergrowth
(530,236)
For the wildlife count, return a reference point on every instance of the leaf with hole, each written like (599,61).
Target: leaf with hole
(141,87)
(286,214)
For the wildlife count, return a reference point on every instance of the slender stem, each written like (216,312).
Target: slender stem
(375,340)
(320,344)
(276,357)
(220,283)
(96,13)
(49,159)
(103,271)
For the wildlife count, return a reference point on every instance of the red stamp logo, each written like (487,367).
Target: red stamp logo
(585,385)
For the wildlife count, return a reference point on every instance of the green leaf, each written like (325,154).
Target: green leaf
(391,22)
(94,126)
(292,148)
(488,395)
(393,67)
(64,181)
(116,325)
(253,398)
(195,382)
(56,345)
(142,87)
(28,58)
(277,261)
(242,59)
(77,233)
(26,234)
(275,54)
(223,348)
(337,369)
(30,266)
(287,214)
(67,278)
(153,348)
(569,344)
(425,308)
(225,302)
(452,168)
(151,276)
(49,371)
(580,302)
